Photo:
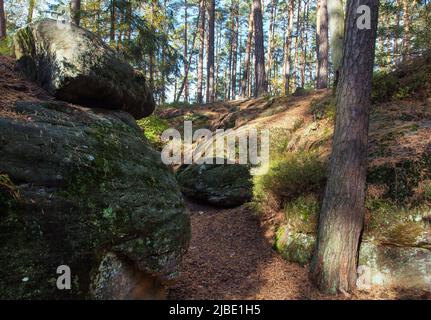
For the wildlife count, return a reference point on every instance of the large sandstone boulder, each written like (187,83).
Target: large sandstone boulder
(223,185)
(75,65)
(82,188)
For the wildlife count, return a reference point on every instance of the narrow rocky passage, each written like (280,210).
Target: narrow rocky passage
(229,258)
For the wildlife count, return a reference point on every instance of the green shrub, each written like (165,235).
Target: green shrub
(302,214)
(384,87)
(288,178)
(153,127)
(6,47)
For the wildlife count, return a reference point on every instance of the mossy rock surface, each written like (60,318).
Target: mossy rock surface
(88,183)
(75,65)
(222,185)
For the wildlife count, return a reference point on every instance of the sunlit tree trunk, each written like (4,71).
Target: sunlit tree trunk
(210,51)
(336,34)
(201,51)
(334,263)
(246,72)
(75,11)
(261,86)
(287,48)
(297,41)
(322,45)
(271,42)
(234,48)
(30,11)
(304,43)
(406,26)
(112,22)
(186,80)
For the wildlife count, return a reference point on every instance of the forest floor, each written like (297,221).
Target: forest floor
(230,258)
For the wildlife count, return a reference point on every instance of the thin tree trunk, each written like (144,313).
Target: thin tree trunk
(246,73)
(112,22)
(322,45)
(336,32)
(189,62)
(201,51)
(261,86)
(297,42)
(210,51)
(30,11)
(217,60)
(287,47)
(270,43)
(2,21)
(334,263)
(186,67)
(75,11)
(406,26)
(304,43)
(234,48)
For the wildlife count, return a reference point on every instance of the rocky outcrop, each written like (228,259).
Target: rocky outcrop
(379,264)
(223,185)
(82,185)
(74,65)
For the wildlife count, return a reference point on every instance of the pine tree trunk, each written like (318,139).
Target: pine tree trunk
(261,86)
(75,11)
(246,73)
(201,51)
(297,38)
(30,11)
(2,21)
(112,22)
(322,45)
(336,32)
(406,26)
(270,43)
(334,263)
(186,80)
(304,43)
(210,51)
(287,47)
(234,48)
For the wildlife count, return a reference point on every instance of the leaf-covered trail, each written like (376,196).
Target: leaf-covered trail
(229,258)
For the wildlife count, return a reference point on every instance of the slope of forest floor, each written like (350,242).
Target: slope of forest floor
(230,258)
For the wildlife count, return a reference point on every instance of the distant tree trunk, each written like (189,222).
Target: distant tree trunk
(322,45)
(406,26)
(2,21)
(112,22)
(396,52)
(261,86)
(287,47)
(270,42)
(30,11)
(334,263)
(217,61)
(186,80)
(234,47)
(336,32)
(163,66)
(75,11)
(210,51)
(304,43)
(201,51)
(297,41)
(246,72)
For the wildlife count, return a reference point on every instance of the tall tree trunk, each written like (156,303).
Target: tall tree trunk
(270,42)
(334,263)
(234,48)
(406,26)
(186,80)
(2,21)
(201,51)
(287,47)
(217,61)
(261,86)
(336,32)
(30,11)
(322,45)
(396,53)
(304,43)
(112,22)
(75,11)
(297,40)
(246,73)
(210,51)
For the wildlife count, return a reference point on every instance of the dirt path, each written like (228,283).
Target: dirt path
(229,258)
